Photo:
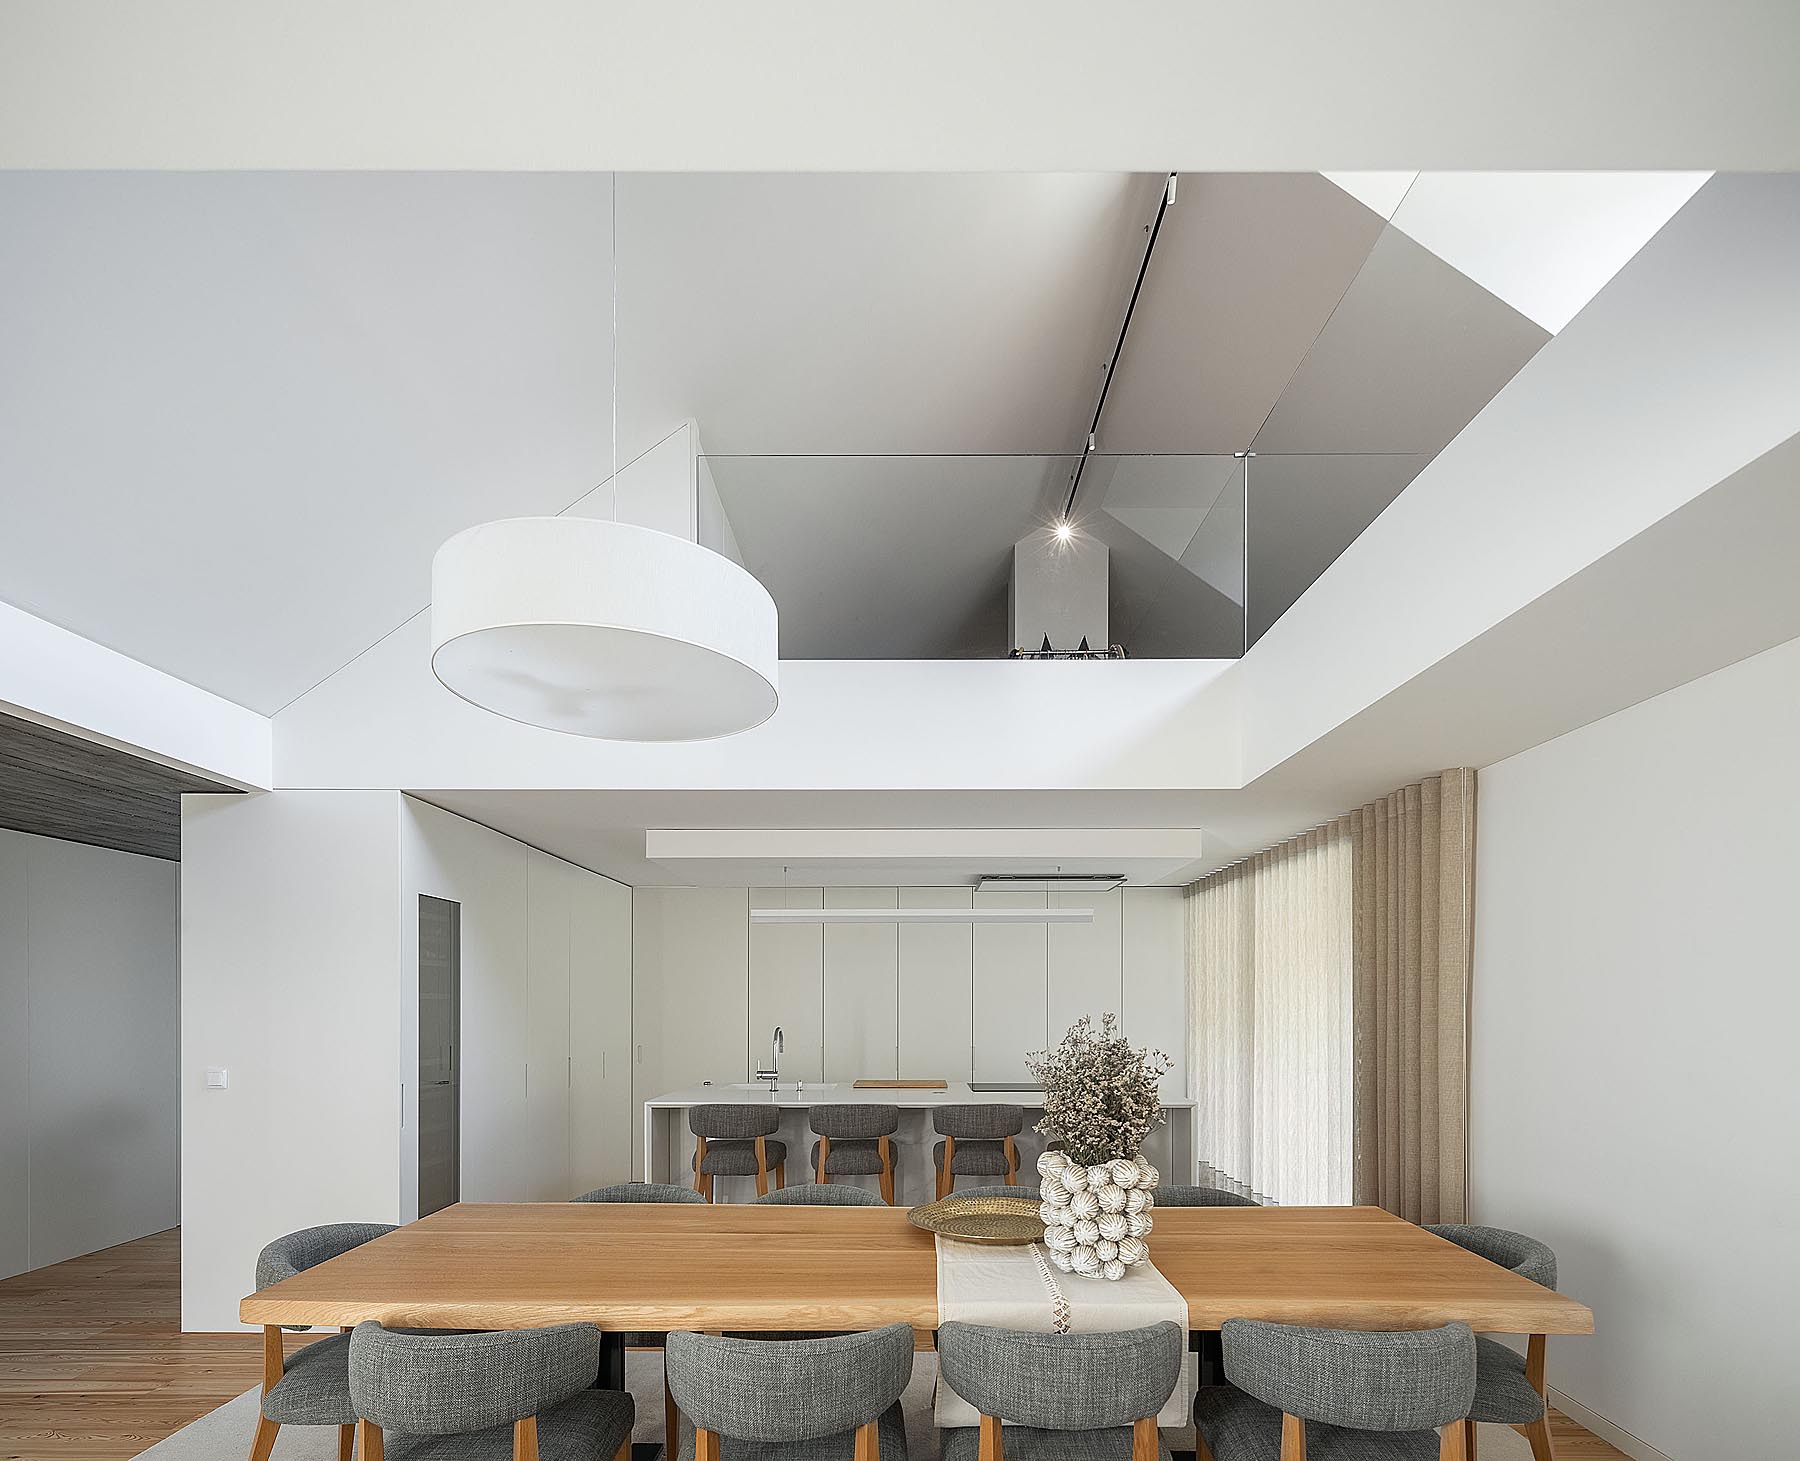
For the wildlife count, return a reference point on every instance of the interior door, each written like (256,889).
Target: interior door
(440,1032)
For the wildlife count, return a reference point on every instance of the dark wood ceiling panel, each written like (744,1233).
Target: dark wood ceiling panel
(57,785)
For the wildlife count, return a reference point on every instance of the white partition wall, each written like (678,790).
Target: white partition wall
(88,1049)
(936,1015)
(550,900)
(1153,1001)
(601,1130)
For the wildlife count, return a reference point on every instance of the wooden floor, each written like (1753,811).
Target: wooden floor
(93,1363)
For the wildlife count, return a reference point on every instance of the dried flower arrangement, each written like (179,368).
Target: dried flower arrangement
(1100,1094)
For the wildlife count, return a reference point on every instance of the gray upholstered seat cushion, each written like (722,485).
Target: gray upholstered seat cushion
(590,1426)
(1239,1427)
(891,1426)
(822,1194)
(1177,1195)
(850,1157)
(315,1387)
(738,1158)
(1022,1443)
(972,1159)
(640,1192)
(1503,1396)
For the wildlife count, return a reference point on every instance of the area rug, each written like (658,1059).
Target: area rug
(224,1434)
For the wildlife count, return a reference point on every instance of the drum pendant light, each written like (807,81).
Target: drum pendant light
(603,628)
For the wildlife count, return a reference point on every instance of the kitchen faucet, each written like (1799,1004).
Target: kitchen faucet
(773,1074)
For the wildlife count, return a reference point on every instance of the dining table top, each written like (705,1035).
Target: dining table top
(655,1266)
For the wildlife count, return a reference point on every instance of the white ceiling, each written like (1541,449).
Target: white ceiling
(239,411)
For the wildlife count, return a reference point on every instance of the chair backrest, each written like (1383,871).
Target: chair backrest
(296,1252)
(1180,1196)
(1413,1380)
(822,1194)
(978,1123)
(1030,1194)
(733,1123)
(854,1123)
(1524,1256)
(1062,1382)
(449,1384)
(788,1390)
(640,1192)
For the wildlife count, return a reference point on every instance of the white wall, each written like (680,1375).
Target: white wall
(289,949)
(1633,1099)
(88,1130)
(300,970)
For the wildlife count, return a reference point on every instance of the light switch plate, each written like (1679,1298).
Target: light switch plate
(217,1078)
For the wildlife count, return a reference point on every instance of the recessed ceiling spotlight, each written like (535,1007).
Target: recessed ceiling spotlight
(1063,530)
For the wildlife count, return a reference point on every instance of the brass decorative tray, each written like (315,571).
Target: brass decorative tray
(981,1219)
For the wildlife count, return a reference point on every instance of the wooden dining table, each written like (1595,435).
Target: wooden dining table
(657,1267)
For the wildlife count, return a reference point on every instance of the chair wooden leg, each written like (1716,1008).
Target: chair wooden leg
(671,1418)
(702,1182)
(1143,1439)
(1202,1451)
(346,1442)
(525,1438)
(1012,1162)
(624,1451)
(824,1152)
(887,1170)
(706,1445)
(868,1442)
(1471,1437)
(1293,1438)
(993,1446)
(946,1177)
(781,1174)
(1537,1434)
(762,1167)
(264,1441)
(369,1444)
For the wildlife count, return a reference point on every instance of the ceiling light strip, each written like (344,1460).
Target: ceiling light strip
(921,915)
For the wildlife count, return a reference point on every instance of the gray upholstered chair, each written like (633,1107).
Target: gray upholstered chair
(1092,1396)
(802,1400)
(816,1194)
(518,1393)
(855,1141)
(1338,1395)
(1181,1196)
(736,1141)
(640,1192)
(978,1142)
(1509,1386)
(312,1386)
(1029,1194)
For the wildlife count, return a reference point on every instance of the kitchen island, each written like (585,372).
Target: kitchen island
(669,1146)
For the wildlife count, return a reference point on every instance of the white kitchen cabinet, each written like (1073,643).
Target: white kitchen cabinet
(787,985)
(549,908)
(936,990)
(601,1129)
(861,984)
(1011,998)
(1086,961)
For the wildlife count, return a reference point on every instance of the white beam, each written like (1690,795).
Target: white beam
(58,679)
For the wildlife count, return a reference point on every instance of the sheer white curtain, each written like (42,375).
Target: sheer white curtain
(1272,976)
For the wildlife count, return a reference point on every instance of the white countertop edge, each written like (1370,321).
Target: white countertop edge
(957,1093)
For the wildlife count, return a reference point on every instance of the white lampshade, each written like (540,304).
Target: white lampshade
(602,629)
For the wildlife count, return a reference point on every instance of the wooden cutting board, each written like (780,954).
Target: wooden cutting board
(901,1086)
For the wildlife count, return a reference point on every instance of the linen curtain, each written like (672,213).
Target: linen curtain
(1329,981)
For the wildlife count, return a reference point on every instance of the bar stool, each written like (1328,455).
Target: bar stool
(735,1141)
(978,1142)
(854,1141)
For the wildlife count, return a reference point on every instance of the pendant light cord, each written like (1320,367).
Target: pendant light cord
(613,223)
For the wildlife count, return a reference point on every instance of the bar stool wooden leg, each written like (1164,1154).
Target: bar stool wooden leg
(702,1183)
(887,1169)
(824,1152)
(346,1442)
(781,1174)
(762,1167)
(945,1179)
(1012,1162)
(369,1444)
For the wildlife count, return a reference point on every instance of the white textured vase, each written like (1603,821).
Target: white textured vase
(1096,1218)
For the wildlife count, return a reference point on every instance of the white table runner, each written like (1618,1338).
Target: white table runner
(1014,1287)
